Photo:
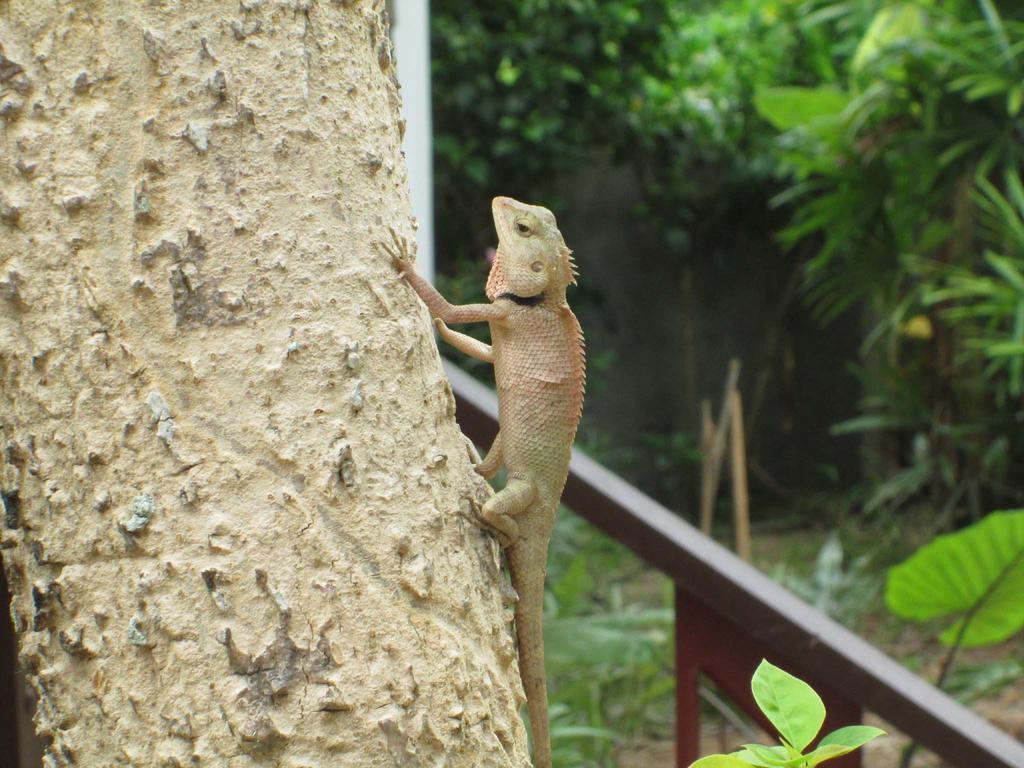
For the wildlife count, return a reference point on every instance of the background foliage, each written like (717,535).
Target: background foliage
(875,149)
(880,142)
(906,179)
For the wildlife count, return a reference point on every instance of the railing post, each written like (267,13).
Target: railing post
(687,688)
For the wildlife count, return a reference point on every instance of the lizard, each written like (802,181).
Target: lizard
(539,368)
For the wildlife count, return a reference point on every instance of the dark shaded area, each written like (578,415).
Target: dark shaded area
(9,682)
(20,747)
(12,509)
(639,321)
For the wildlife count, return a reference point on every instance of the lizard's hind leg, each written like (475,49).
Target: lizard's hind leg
(501,509)
(489,467)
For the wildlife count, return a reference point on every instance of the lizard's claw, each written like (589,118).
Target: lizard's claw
(504,528)
(398,251)
(505,531)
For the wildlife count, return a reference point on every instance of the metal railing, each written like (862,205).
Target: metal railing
(729,615)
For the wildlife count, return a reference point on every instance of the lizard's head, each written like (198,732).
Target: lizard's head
(532,256)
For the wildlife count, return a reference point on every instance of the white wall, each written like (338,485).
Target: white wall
(410,33)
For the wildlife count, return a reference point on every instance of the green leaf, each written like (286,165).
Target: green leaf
(821,754)
(871,423)
(852,736)
(976,574)
(995,23)
(1007,269)
(789,703)
(747,758)
(582,731)
(767,755)
(788,107)
(890,24)
(719,761)
(507,73)
(957,150)
(1014,100)
(843,741)
(1005,349)
(1015,188)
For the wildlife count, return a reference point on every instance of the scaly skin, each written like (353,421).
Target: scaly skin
(537,352)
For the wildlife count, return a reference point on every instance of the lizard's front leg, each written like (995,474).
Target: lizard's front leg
(463,343)
(500,510)
(401,259)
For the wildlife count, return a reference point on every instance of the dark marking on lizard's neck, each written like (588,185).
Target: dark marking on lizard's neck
(523,301)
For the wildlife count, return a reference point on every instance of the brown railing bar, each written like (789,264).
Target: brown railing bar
(778,619)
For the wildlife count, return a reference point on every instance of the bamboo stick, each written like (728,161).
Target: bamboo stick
(738,467)
(716,452)
(707,437)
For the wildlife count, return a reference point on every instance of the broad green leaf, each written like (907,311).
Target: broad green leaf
(821,754)
(747,758)
(788,107)
(843,741)
(720,761)
(767,755)
(771,757)
(891,23)
(789,703)
(976,574)
(852,736)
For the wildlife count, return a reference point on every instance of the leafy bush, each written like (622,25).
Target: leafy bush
(525,92)
(902,139)
(906,181)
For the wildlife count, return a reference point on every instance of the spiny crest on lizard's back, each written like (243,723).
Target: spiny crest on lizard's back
(579,366)
(532,256)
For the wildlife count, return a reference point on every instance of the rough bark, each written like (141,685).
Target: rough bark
(238,510)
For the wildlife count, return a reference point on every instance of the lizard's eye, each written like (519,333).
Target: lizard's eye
(523,228)
(536,266)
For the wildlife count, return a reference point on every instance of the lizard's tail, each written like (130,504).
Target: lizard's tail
(528,568)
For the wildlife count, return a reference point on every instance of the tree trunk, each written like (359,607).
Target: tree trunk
(239,513)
